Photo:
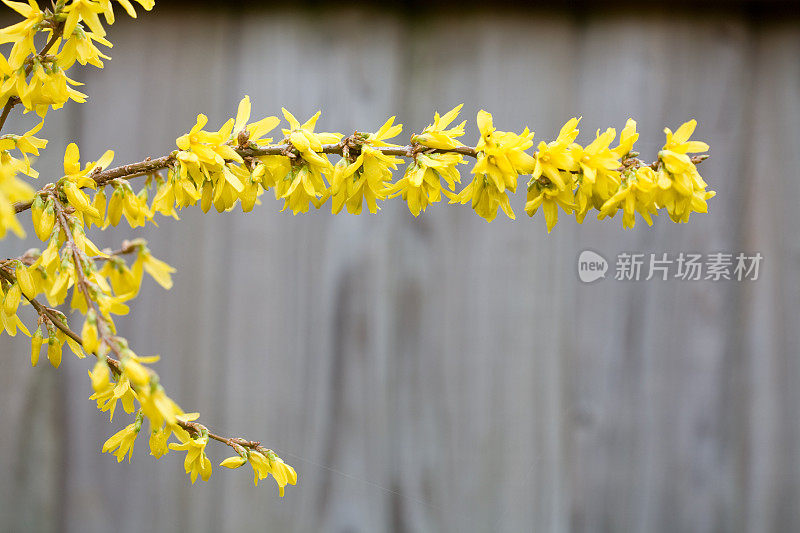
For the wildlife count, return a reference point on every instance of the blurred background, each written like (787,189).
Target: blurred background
(442,373)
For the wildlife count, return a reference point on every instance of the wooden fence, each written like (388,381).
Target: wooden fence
(441,373)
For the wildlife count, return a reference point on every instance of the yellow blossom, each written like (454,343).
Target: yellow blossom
(158,270)
(268,463)
(158,441)
(437,135)
(233,462)
(549,198)
(501,157)
(636,193)
(100,377)
(36,346)
(366,178)
(80,47)
(107,399)
(627,138)
(86,11)
(255,131)
(553,158)
(121,442)
(421,185)
(196,462)
(304,183)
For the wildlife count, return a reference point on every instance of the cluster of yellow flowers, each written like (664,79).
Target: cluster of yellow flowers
(236,164)
(71,270)
(577,178)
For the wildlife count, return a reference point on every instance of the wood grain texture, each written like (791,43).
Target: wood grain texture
(439,373)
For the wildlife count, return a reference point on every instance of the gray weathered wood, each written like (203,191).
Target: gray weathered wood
(439,373)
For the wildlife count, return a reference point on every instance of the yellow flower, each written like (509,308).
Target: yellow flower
(596,158)
(75,178)
(27,28)
(636,193)
(502,154)
(157,406)
(36,346)
(27,144)
(158,270)
(121,442)
(196,462)
(158,441)
(598,175)
(553,158)
(122,279)
(12,299)
(304,183)
(80,47)
(501,158)
(100,376)
(10,324)
(233,462)
(11,190)
(627,138)
(269,463)
(25,280)
(367,177)
(437,135)
(679,142)
(207,147)
(48,86)
(421,185)
(55,350)
(306,141)
(549,198)
(86,11)
(107,399)
(681,189)
(254,132)
(485,198)
(44,217)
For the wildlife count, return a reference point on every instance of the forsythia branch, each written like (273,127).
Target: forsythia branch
(150,165)
(264,460)
(235,165)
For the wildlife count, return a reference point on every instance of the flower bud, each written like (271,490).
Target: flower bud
(233,462)
(36,346)
(54,352)
(11,301)
(37,208)
(89,336)
(25,281)
(115,206)
(78,199)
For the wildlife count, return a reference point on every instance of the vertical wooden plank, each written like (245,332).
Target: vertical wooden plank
(771,432)
(648,358)
(490,322)
(306,357)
